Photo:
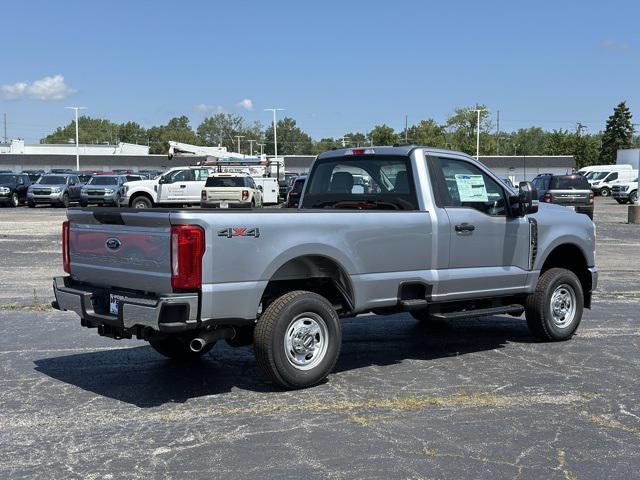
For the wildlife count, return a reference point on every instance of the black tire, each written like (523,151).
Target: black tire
(605,192)
(541,320)
(177,348)
(65,200)
(84,204)
(633,196)
(31,204)
(141,202)
(296,315)
(15,201)
(621,201)
(243,337)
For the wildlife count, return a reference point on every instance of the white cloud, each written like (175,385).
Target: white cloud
(204,108)
(616,46)
(47,88)
(245,103)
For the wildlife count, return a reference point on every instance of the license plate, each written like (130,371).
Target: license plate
(113,303)
(224,204)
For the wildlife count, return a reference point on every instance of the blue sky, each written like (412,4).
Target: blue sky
(334,66)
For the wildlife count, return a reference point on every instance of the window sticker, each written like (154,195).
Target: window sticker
(471,188)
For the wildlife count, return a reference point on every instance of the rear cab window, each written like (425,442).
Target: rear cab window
(226,182)
(570,182)
(361,182)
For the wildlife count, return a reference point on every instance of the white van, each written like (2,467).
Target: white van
(270,189)
(591,170)
(601,182)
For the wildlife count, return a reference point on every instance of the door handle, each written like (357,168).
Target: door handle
(465,227)
(183,186)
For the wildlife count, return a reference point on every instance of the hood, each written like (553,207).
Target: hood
(141,183)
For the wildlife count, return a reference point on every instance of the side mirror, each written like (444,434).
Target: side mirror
(162,180)
(260,188)
(528,198)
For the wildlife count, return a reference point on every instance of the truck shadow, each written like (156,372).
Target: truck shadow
(141,377)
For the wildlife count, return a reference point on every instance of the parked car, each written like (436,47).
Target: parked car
(177,186)
(34,175)
(83,175)
(103,190)
(293,197)
(445,239)
(230,190)
(571,191)
(625,192)
(603,182)
(285,184)
(13,188)
(54,189)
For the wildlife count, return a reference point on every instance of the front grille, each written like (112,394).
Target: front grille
(41,192)
(95,193)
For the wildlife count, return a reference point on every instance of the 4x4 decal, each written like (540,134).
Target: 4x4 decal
(239,232)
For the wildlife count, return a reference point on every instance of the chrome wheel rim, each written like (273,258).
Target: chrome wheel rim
(15,200)
(306,341)
(563,305)
(139,204)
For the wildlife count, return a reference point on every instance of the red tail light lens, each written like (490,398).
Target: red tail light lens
(547,198)
(591,196)
(245,194)
(187,248)
(66,259)
(203,195)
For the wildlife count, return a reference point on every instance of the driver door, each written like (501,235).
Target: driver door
(174,186)
(489,247)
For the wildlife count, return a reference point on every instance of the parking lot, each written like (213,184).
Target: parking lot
(476,398)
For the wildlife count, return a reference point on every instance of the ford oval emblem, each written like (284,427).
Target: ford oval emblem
(113,243)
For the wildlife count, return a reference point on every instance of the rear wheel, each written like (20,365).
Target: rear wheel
(141,202)
(633,196)
(554,310)
(297,339)
(605,192)
(177,348)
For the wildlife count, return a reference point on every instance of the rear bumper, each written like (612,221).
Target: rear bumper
(216,204)
(166,313)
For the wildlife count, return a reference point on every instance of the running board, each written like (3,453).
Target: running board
(481,312)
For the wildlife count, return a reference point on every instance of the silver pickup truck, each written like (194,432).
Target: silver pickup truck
(430,232)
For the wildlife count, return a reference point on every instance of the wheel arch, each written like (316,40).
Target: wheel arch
(571,257)
(141,193)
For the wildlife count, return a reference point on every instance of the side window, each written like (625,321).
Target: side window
(612,177)
(182,176)
(251,183)
(466,186)
(201,174)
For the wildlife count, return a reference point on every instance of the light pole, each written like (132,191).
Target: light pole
(77,136)
(239,137)
(251,147)
(275,135)
(261,145)
(478,133)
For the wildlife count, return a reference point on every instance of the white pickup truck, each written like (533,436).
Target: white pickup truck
(177,186)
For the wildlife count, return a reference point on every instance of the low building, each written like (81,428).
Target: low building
(18,147)
(20,162)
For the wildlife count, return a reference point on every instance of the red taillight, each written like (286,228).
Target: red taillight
(547,198)
(360,151)
(187,248)
(66,259)
(591,196)
(245,194)
(203,195)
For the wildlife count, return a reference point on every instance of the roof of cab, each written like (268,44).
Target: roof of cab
(400,150)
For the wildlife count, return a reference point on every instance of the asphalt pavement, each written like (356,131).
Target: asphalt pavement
(476,398)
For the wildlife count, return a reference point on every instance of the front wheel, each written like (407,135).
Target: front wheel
(15,201)
(605,192)
(633,196)
(297,339)
(141,202)
(65,200)
(554,310)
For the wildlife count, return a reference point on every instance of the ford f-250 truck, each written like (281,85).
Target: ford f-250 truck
(431,232)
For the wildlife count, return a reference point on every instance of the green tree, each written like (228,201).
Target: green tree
(222,129)
(617,134)
(383,135)
(177,129)
(529,141)
(291,139)
(91,130)
(429,133)
(324,144)
(356,139)
(462,126)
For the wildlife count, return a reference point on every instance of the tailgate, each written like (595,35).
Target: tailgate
(127,249)
(570,197)
(229,194)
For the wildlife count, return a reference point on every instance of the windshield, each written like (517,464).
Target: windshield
(298,185)
(7,179)
(103,181)
(363,182)
(52,180)
(226,182)
(598,175)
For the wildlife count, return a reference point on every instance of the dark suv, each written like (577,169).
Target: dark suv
(13,188)
(293,197)
(572,191)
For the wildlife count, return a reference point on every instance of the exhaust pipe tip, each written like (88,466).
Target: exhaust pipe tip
(197,344)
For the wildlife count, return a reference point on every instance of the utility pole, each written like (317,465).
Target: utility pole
(275,134)
(406,126)
(261,145)
(498,133)
(478,111)
(77,135)
(579,128)
(5,129)
(251,147)
(239,137)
